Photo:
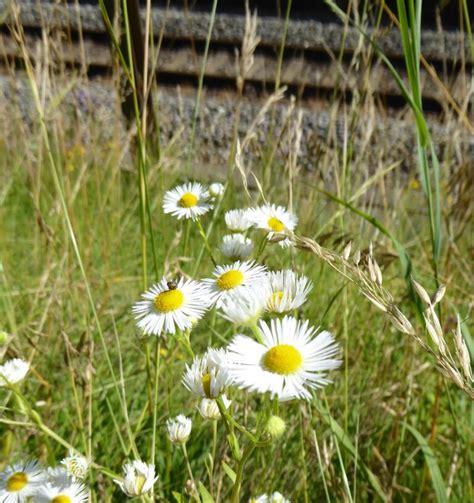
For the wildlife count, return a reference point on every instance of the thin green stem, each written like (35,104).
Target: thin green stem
(190,472)
(235,497)
(205,240)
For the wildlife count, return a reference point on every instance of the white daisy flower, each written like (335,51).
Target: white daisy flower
(209,410)
(179,429)
(245,307)
(73,492)
(237,277)
(58,476)
(276,497)
(236,247)
(187,201)
(237,220)
(208,376)
(168,305)
(216,189)
(288,291)
(76,465)
(289,360)
(138,478)
(275,220)
(13,371)
(20,481)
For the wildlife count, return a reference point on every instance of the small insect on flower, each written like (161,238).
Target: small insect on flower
(13,371)
(209,409)
(75,465)
(208,376)
(287,291)
(216,189)
(187,201)
(236,247)
(179,429)
(138,478)
(275,220)
(73,492)
(238,220)
(290,359)
(20,481)
(246,307)
(235,278)
(171,304)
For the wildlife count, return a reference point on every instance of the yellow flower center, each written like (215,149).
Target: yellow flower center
(61,498)
(282,359)
(276,298)
(230,279)
(275,224)
(140,483)
(188,200)
(17,482)
(170,300)
(206,384)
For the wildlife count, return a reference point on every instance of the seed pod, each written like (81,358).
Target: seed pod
(378,273)
(462,351)
(347,250)
(438,295)
(356,257)
(276,238)
(422,293)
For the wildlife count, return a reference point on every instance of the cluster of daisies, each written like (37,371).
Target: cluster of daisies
(30,482)
(284,357)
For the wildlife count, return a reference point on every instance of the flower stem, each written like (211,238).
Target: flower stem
(206,242)
(235,498)
(190,471)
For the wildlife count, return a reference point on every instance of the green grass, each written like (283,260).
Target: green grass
(389,427)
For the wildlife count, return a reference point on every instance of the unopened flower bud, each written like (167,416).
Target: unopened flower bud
(275,426)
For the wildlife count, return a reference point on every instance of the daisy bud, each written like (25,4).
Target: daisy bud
(208,376)
(275,427)
(209,410)
(138,478)
(236,247)
(76,465)
(13,371)
(238,220)
(287,291)
(179,429)
(3,337)
(216,189)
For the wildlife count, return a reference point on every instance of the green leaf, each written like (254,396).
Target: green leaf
(230,473)
(435,472)
(177,497)
(205,494)
(349,447)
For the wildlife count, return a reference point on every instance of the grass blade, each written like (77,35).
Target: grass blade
(438,482)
